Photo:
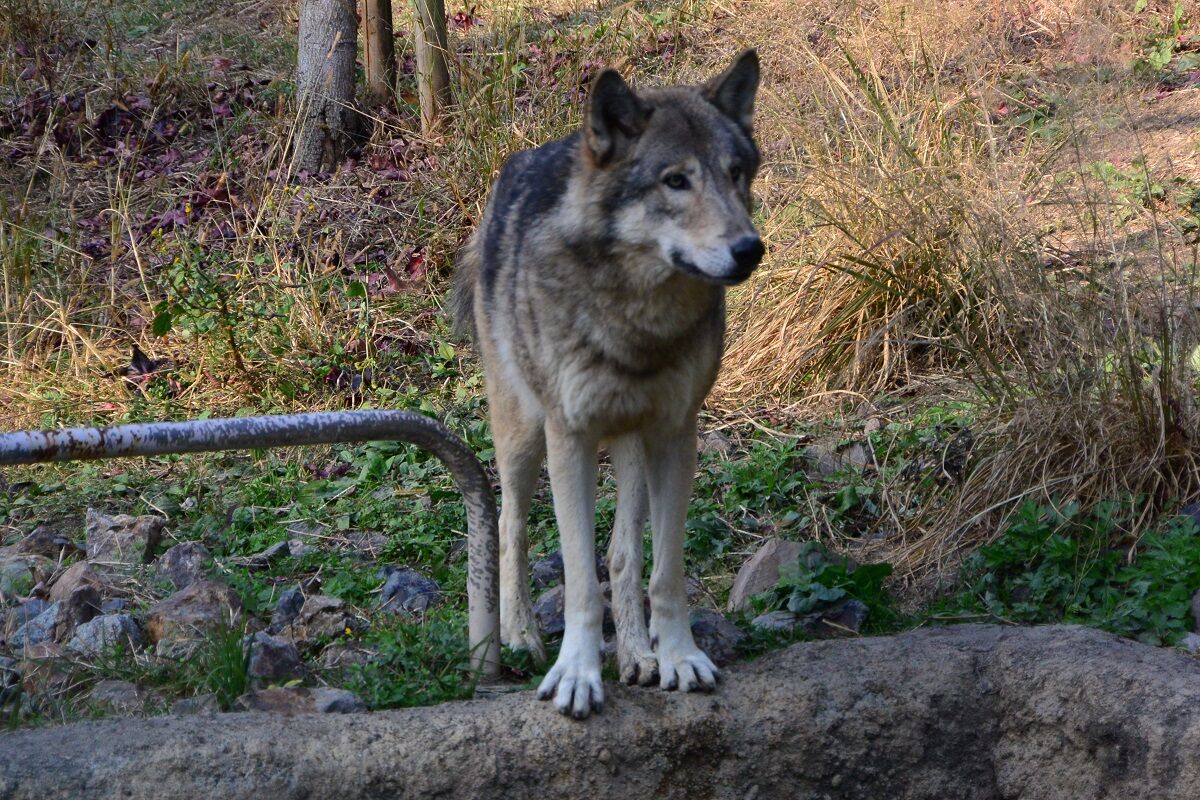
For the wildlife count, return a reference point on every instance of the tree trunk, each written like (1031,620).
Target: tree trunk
(327,117)
(433,76)
(379,50)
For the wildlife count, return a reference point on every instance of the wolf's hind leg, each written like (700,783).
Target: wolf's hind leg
(635,657)
(520,450)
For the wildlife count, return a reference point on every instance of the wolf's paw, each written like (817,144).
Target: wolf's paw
(524,637)
(574,680)
(686,668)
(640,667)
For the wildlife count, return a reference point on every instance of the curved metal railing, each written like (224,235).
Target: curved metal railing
(291,430)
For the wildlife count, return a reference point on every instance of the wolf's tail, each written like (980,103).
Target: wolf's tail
(462,293)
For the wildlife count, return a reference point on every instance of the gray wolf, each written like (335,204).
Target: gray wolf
(595,289)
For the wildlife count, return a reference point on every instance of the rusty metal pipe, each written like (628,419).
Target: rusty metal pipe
(291,430)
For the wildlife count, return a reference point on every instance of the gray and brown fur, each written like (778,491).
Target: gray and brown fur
(595,287)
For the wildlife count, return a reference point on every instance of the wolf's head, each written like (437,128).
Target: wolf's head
(674,167)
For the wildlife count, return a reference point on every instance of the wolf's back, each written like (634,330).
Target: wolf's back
(529,188)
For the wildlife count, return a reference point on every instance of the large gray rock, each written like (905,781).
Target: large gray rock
(761,571)
(969,713)
(105,633)
(121,542)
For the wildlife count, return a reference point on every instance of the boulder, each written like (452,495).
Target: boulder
(273,660)
(301,700)
(18,616)
(407,590)
(184,564)
(105,633)
(971,712)
(761,571)
(179,623)
(121,542)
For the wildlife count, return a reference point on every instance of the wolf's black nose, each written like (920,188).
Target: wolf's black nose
(747,252)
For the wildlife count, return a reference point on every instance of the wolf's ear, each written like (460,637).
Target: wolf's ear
(614,118)
(733,90)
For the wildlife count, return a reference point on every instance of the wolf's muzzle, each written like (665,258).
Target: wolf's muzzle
(747,252)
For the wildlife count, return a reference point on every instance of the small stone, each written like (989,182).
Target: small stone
(274,660)
(715,443)
(10,679)
(859,455)
(1191,643)
(549,609)
(322,617)
(407,590)
(287,609)
(42,671)
(123,697)
(341,656)
(776,621)
(301,700)
(200,704)
(182,621)
(106,633)
(46,542)
(114,605)
(19,573)
(761,571)
(39,629)
(18,616)
(823,461)
(844,619)
(184,564)
(121,542)
(549,571)
(81,605)
(76,575)
(716,636)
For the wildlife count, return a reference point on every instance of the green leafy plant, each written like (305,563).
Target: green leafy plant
(817,581)
(1055,564)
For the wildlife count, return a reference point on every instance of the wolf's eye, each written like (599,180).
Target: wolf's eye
(677,180)
(735,172)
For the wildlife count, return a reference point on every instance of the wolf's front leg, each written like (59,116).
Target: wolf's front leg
(670,472)
(574,680)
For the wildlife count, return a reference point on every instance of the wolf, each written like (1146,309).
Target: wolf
(594,287)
